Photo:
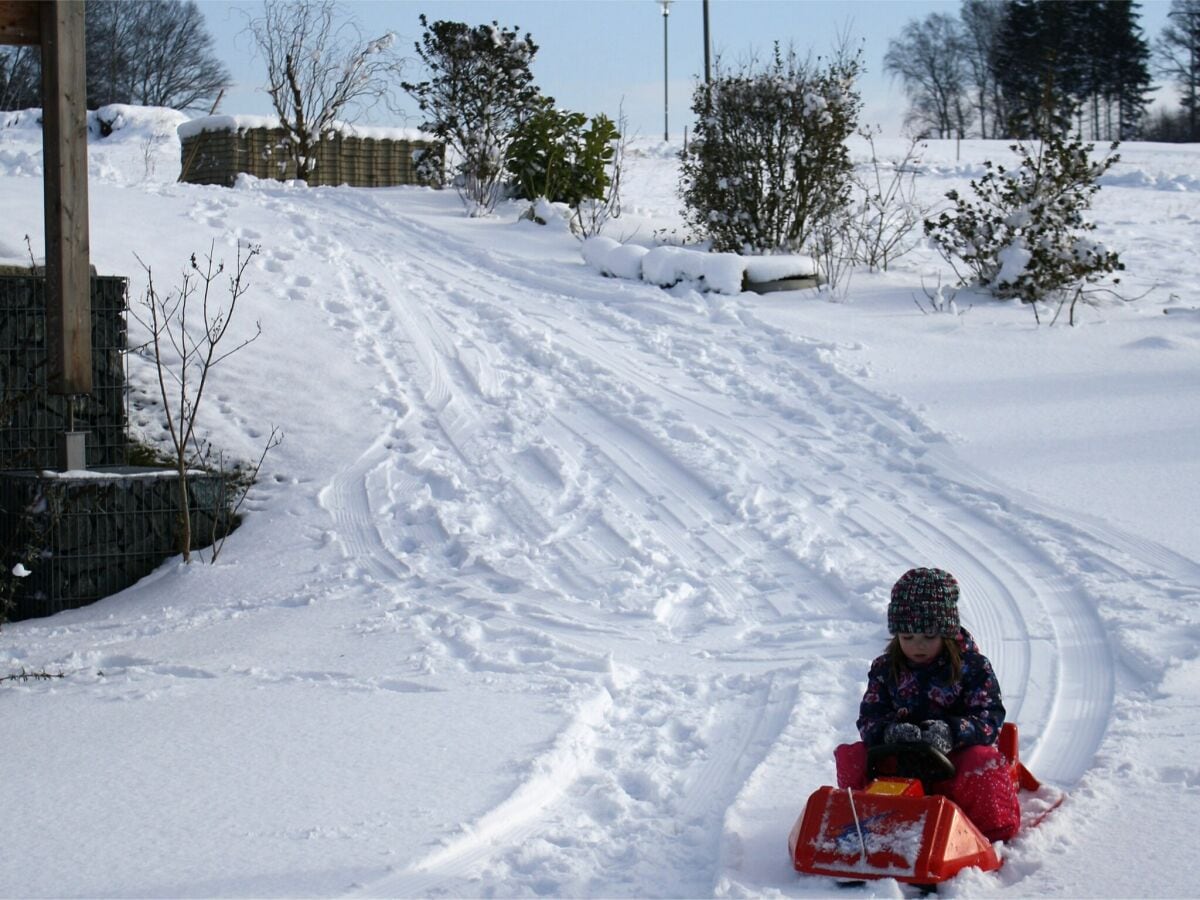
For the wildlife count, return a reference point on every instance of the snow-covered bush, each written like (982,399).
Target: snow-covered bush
(479,87)
(1023,233)
(769,160)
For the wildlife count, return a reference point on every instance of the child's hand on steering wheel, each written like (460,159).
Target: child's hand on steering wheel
(902,733)
(936,733)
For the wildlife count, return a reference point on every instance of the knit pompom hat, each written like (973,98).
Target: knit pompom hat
(924,601)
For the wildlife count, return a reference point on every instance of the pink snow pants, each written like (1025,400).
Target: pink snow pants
(983,787)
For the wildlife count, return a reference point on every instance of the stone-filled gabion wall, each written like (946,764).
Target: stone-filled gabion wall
(31,419)
(82,535)
(97,533)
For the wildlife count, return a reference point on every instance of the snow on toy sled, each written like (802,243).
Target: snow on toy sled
(894,828)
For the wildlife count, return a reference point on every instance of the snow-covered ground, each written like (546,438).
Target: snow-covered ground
(564,585)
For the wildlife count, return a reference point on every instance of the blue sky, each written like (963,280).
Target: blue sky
(596,56)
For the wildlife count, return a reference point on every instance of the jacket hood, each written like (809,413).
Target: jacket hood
(966,643)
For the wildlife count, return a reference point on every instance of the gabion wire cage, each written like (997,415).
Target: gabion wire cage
(83,535)
(30,418)
(86,537)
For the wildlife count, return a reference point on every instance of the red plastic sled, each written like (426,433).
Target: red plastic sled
(893,829)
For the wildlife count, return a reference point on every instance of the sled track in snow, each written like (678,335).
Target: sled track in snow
(594,803)
(590,429)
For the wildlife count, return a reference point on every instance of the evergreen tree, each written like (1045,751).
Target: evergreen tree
(1041,64)
(769,165)
(1022,232)
(1128,85)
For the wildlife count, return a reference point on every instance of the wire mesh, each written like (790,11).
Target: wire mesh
(88,536)
(31,419)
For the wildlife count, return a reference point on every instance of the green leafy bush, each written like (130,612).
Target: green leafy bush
(561,156)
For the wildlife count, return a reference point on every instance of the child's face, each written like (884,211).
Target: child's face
(920,648)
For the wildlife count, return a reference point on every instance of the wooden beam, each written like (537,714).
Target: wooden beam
(20,22)
(64,145)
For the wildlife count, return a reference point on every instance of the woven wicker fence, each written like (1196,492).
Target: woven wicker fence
(218,156)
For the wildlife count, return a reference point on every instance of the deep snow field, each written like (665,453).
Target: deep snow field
(565,585)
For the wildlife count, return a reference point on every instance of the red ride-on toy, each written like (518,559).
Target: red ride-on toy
(894,828)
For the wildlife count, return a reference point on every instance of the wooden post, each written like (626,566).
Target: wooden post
(20,22)
(64,147)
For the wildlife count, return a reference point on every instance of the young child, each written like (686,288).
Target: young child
(933,685)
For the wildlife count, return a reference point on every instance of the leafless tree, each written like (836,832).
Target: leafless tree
(187,329)
(930,58)
(320,71)
(20,77)
(982,21)
(1178,55)
(883,222)
(176,66)
(151,53)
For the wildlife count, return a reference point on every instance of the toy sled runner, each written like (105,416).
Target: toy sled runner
(894,829)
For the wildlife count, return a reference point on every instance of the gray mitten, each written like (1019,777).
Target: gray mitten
(936,734)
(902,733)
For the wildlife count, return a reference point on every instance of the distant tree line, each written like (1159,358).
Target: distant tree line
(1177,53)
(144,52)
(1019,68)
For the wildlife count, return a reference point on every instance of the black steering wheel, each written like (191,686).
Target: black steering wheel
(910,760)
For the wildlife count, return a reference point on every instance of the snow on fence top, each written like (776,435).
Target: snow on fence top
(245,123)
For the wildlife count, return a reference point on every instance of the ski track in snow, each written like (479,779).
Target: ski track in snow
(662,518)
(595,482)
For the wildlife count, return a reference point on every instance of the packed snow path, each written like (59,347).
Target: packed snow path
(546,486)
(559,585)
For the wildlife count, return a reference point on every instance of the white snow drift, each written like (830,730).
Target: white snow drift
(565,585)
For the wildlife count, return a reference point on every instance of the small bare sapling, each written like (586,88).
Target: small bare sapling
(188,328)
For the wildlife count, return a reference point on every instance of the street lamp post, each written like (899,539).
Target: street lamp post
(666,11)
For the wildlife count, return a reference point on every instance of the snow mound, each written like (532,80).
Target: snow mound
(126,144)
(1159,182)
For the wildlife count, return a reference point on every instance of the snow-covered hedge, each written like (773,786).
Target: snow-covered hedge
(724,273)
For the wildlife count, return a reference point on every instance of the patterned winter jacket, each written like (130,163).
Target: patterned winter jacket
(972,707)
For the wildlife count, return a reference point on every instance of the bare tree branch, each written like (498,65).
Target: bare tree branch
(184,353)
(320,71)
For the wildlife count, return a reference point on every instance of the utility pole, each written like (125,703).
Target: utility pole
(666,12)
(707,45)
